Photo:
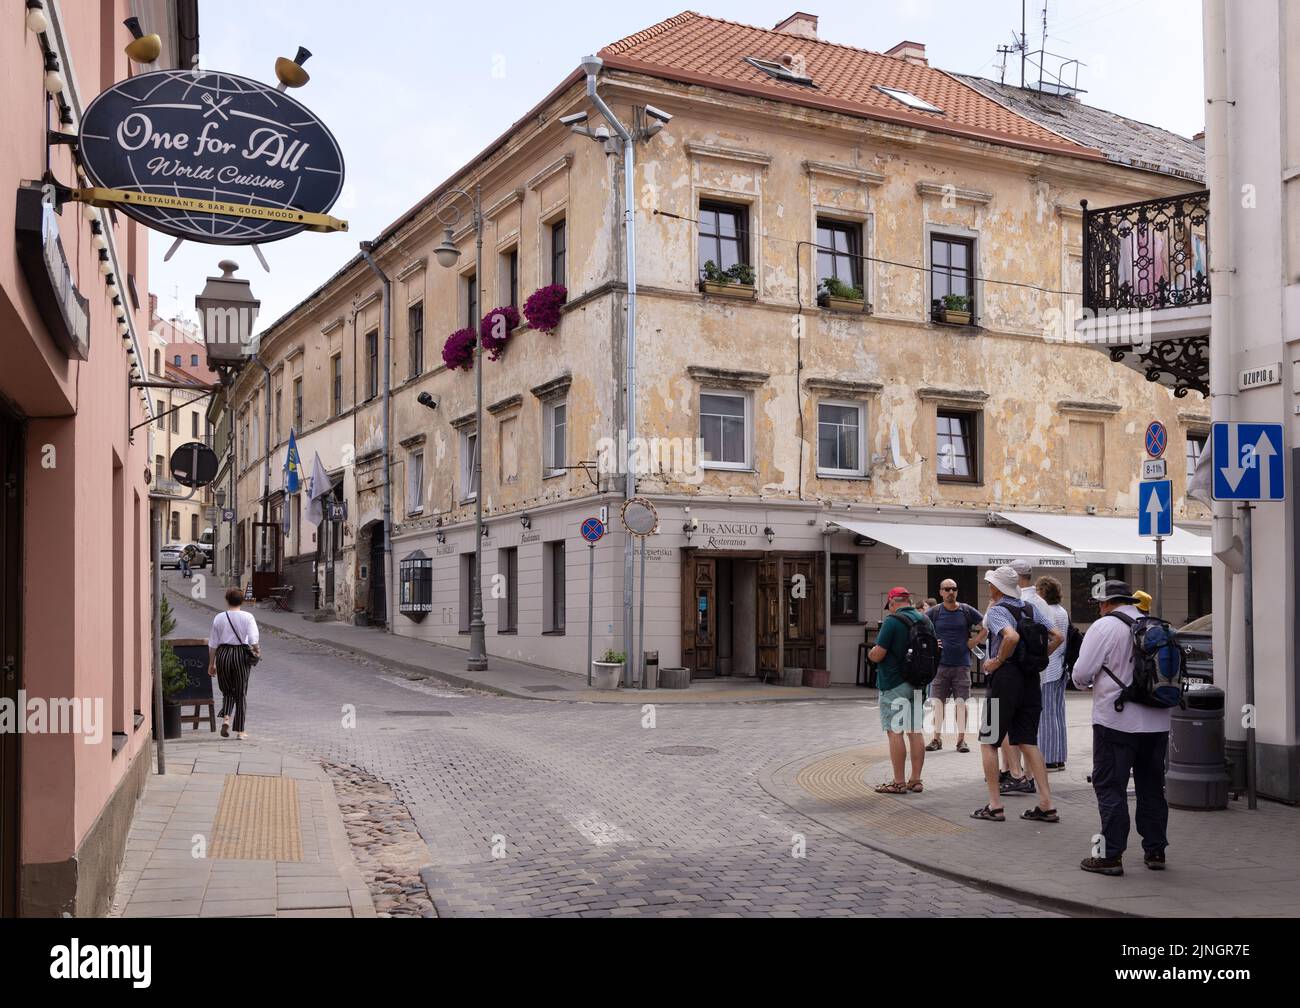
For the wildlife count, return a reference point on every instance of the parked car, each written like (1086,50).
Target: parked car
(170,556)
(206,544)
(1197,643)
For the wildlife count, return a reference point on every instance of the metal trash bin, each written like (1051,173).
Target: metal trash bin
(1197,776)
(650,677)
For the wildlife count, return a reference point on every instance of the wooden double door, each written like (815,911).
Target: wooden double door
(786,628)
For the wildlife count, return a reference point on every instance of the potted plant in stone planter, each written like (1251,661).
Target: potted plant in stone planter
(792,677)
(738,281)
(674,677)
(174,679)
(955,309)
(607,671)
(839,296)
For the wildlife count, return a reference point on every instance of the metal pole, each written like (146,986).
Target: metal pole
(155,537)
(591,581)
(1160,576)
(386,285)
(640,632)
(477,642)
(1248,591)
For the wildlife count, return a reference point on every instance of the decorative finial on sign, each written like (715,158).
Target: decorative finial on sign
(144,48)
(227,267)
(290,72)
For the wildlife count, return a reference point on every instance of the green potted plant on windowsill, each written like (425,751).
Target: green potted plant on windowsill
(737,281)
(836,295)
(955,309)
(607,671)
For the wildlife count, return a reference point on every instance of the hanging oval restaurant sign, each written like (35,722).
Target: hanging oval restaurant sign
(211,157)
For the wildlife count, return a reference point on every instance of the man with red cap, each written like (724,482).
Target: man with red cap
(902,706)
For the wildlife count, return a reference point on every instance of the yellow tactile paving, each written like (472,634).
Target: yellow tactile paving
(840,780)
(257,820)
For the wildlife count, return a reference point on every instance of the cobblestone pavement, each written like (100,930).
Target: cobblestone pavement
(562,809)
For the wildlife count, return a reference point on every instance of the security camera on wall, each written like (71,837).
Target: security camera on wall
(426,400)
(659,114)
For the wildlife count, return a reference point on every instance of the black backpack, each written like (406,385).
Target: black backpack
(920,661)
(1030,655)
(1073,642)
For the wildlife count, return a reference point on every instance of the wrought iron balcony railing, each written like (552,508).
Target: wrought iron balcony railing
(1148,255)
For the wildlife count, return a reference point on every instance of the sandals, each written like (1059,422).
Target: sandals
(1036,814)
(962,746)
(915,786)
(990,814)
(935,746)
(889,787)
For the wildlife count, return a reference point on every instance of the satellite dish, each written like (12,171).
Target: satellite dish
(895,453)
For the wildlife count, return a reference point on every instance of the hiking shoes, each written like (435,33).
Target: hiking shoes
(1103,866)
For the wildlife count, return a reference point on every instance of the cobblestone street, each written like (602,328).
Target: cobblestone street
(544,808)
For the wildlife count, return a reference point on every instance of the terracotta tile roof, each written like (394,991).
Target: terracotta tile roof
(695,49)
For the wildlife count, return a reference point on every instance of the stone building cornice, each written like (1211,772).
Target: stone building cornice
(727,377)
(948,191)
(702,150)
(1093,408)
(831,170)
(972,396)
(553,389)
(838,386)
(506,405)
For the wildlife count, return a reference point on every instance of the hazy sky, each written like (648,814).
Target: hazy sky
(413,89)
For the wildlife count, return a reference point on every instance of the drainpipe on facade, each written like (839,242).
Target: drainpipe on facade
(1224,543)
(592,65)
(366,248)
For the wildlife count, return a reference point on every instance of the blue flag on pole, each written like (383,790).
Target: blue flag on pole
(292,465)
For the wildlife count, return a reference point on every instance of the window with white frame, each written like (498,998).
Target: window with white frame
(415,483)
(468,459)
(840,439)
(554,428)
(724,429)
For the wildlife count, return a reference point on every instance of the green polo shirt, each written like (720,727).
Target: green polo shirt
(893,638)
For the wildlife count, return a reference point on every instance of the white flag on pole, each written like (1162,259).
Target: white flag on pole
(318,485)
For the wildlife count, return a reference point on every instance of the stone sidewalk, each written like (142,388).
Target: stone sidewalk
(1231,863)
(503,676)
(236,829)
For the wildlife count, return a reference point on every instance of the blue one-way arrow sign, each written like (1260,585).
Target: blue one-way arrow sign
(1156,508)
(1248,462)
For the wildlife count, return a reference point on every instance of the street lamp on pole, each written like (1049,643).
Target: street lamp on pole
(448,255)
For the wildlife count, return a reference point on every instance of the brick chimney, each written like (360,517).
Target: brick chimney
(910,52)
(801,24)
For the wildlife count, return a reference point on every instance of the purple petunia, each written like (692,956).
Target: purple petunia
(493,344)
(542,309)
(458,351)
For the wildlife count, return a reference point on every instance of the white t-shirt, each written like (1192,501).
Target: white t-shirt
(244,630)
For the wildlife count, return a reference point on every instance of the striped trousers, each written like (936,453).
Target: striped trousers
(1051,726)
(233,673)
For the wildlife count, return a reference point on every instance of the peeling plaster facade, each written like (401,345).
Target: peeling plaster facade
(1057,428)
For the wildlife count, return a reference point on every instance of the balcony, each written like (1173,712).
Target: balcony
(1146,288)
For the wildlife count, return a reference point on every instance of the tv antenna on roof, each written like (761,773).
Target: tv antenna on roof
(1049,82)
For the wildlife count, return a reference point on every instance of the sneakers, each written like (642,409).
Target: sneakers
(1055,767)
(1156,862)
(935,746)
(1014,786)
(1102,866)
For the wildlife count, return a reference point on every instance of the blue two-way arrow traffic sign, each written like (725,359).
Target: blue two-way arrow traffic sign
(1248,462)
(1156,508)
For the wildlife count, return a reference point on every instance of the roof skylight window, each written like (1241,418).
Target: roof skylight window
(908,99)
(790,68)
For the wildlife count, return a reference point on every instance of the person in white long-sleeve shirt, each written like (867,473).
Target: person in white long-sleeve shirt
(1133,740)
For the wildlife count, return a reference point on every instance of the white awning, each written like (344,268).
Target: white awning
(960,545)
(1113,540)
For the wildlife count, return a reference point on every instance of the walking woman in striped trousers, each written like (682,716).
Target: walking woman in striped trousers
(230,662)
(1051,726)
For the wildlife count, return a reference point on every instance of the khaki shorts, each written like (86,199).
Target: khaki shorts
(951,681)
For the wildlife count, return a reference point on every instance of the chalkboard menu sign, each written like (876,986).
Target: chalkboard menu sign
(193,654)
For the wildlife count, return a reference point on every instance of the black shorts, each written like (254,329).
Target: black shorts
(1012,709)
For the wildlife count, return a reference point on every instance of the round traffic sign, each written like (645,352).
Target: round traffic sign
(639,516)
(593,529)
(194,464)
(1157,439)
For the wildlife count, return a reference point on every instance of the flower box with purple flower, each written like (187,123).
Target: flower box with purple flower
(458,351)
(496,327)
(542,309)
